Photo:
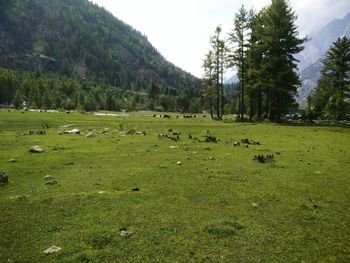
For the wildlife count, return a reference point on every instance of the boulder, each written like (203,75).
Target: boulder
(36,149)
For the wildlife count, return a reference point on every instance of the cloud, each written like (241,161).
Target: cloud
(180,29)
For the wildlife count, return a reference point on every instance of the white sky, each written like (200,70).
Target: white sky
(180,29)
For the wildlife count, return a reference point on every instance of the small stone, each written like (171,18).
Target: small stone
(195,153)
(211,158)
(90,135)
(174,147)
(179,163)
(47,177)
(36,149)
(122,133)
(255,205)
(102,192)
(318,172)
(188,158)
(186,148)
(51,250)
(207,148)
(125,233)
(3,178)
(74,131)
(60,133)
(12,161)
(51,183)
(136,189)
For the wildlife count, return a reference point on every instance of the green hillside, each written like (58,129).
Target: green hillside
(80,40)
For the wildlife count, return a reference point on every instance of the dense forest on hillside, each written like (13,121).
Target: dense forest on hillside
(54,91)
(80,40)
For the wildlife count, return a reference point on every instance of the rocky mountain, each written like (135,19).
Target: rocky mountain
(309,77)
(322,40)
(80,40)
(315,49)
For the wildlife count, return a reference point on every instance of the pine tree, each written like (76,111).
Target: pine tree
(208,93)
(333,92)
(219,57)
(18,99)
(281,40)
(239,42)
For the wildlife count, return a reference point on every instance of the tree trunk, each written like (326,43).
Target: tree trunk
(259,104)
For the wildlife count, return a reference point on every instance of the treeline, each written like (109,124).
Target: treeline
(331,99)
(261,48)
(53,91)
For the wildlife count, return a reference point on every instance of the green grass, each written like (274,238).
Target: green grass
(200,211)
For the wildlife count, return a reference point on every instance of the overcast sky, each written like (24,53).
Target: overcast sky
(180,29)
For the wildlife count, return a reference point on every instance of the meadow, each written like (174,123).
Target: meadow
(184,201)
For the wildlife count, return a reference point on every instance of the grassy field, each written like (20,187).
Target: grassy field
(219,205)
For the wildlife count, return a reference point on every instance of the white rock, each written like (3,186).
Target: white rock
(51,250)
(125,233)
(174,147)
(179,163)
(90,135)
(36,149)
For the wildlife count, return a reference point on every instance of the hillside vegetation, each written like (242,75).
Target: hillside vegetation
(78,39)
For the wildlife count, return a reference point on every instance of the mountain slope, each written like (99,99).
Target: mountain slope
(79,39)
(315,50)
(322,40)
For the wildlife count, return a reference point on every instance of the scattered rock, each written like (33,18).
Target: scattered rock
(125,233)
(12,161)
(60,133)
(210,138)
(122,133)
(195,153)
(101,192)
(140,133)
(36,149)
(174,147)
(207,148)
(186,148)
(90,135)
(264,159)
(211,158)
(3,178)
(236,144)
(74,131)
(188,158)
(51,250)
(51,183)
(179,163)
(47,177)
(255,205)
(318,172)
(136,189)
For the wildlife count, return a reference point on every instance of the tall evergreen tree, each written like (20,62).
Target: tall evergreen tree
(239,41)
(219,57)
(281,40)
(333,91)
(208,92)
